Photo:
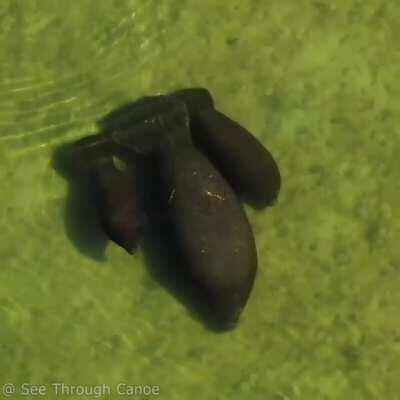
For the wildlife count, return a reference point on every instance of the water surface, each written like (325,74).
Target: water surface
(318,83)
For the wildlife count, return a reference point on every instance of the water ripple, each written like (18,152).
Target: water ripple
(37,110)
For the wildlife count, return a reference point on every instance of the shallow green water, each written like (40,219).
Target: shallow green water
(319,85)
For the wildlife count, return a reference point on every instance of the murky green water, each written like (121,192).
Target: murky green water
(318,83)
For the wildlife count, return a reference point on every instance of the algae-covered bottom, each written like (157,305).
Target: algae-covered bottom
(316,83)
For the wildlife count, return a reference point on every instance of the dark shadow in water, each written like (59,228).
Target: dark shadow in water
(80,217)
(161,257)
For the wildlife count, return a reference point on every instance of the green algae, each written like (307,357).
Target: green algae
(318,84)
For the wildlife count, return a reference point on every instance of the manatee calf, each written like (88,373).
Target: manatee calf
(114,192)
(242,159)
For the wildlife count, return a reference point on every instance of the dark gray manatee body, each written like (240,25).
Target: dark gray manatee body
(135,112)
(242,159)
(209,224)
(145,108)
(195,99)
(113,192)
